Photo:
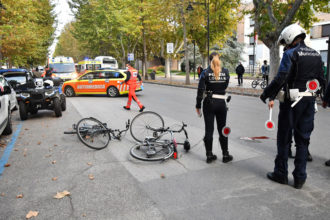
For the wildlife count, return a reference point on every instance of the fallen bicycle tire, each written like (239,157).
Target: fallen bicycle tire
(93,133)
(161,151)
(140,124)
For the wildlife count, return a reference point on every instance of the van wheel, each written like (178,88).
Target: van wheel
(9,127)
(23,114)
(57,107)
(69,92)
(112,91)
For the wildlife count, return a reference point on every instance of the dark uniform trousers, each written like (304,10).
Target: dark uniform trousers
(300,118)
(217,108)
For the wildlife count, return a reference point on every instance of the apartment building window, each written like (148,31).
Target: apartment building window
(324,55)
(251,22)
(251,59)
(326,30)
(251,40)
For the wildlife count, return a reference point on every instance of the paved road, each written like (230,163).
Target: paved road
(124,188)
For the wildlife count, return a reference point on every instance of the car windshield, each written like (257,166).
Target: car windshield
(62,67)
(18,77)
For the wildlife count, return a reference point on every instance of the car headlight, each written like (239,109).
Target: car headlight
(49,93)
(25,95)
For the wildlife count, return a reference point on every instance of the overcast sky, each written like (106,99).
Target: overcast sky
(63,16)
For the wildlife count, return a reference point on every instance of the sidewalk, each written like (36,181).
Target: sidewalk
(233,88)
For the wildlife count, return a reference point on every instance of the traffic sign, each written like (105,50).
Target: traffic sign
(170,47)
(130,57)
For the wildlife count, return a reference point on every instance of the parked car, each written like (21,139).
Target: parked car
(105,82)
(5,111)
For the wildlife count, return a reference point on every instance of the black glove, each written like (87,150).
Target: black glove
(263,98)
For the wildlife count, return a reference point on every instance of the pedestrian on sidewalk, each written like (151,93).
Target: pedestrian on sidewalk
(240,71)
(214,80)
(199,70)
(298,65)
(132,76)
(265,71)
(325,104)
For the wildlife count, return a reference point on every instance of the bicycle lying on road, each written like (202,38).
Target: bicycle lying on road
(259,81)
(148,129)
(95,134)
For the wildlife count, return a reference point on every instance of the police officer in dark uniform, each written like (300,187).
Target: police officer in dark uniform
(326,102)
(298,65)
(214,81)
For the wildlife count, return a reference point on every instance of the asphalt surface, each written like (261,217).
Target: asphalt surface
(186,188)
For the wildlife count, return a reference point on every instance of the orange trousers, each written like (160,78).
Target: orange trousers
(131,94)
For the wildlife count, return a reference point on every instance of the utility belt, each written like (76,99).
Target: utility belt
(210,96)
(295,95)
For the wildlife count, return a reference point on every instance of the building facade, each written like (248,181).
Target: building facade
(255,54)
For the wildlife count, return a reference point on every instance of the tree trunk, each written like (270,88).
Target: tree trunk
(123,61)
(185,45)
(179,64)
(167,67)
(144,60)
(274,61)
(205,62)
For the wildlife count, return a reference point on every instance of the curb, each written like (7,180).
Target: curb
(231,90)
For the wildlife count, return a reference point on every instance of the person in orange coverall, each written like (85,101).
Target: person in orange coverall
(132,76)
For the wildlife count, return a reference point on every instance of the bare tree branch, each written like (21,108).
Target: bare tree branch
(271,13)
(288,17)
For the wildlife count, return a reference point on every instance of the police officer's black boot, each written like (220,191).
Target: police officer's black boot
(226,157)
(208,147)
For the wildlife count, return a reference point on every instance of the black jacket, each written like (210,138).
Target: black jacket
(207,82)
(298,65)
(240,69)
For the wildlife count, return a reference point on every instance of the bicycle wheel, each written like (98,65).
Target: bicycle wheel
(152,151)
(141,124)
(254,84)
(93,133)
(263,84)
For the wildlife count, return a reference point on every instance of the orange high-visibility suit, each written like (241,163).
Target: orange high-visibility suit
(132,75)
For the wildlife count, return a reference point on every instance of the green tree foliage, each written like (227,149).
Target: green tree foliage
(272,16)
(68,45)
(143,27)
(26,31)
(231,53)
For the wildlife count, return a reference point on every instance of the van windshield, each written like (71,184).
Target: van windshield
(62,67)
(109,61)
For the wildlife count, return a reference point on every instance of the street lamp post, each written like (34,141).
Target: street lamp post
(194,42)
(207,7)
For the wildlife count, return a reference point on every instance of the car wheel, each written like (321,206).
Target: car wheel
(22,111)
(112,91)
(57,107)
(9,127)
(63,102)
(69,92)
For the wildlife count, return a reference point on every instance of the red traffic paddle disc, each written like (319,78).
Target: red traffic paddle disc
(313,85)
(226,131)
(270,125)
